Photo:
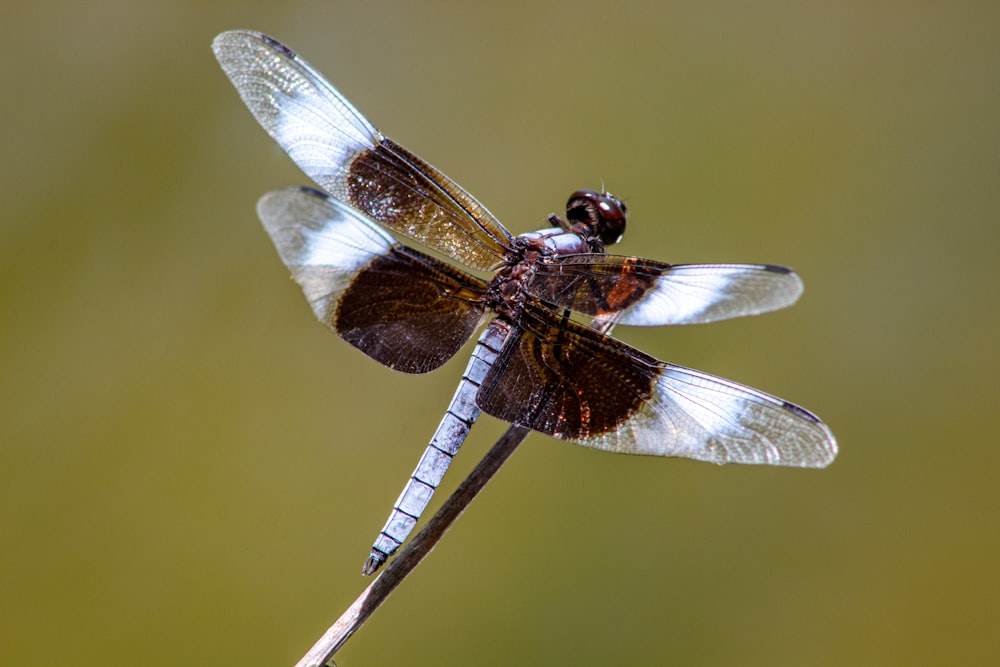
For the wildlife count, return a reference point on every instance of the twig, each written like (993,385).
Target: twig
(322,652)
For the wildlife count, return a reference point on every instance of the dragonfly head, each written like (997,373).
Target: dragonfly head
(601,215)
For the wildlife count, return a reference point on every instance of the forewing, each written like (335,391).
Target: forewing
(347,157)
(642,292)
(402,308)
(567,381)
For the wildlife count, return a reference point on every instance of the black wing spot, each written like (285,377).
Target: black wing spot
(275,44)
(801,412)
(773,268)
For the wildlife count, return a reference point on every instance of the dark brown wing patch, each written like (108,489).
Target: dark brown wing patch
(399,190)
(595,285)
(409,311)
(565,380)
(642,292)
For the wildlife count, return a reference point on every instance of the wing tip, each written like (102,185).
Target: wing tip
(230,39)
(227,38)
(825,444)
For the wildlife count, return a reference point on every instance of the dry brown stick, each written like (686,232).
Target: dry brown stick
(323,650)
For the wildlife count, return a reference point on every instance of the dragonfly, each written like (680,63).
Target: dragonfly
(536,364)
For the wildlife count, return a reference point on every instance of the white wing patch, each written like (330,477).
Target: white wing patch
(698,416)
(322,241)
(702,293)
(316,125)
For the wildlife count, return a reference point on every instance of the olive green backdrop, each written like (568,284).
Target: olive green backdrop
(192,469)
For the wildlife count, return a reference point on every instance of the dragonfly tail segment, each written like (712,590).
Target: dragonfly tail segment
(459,418)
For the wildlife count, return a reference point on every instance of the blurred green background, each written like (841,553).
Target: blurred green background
(192,469)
